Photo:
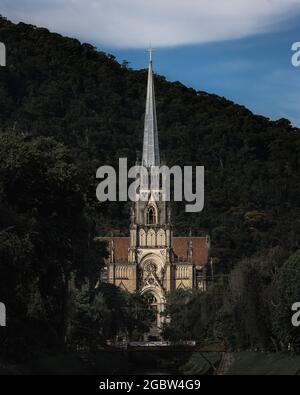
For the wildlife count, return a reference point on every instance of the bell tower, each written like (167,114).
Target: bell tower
(150,231)
(151,261)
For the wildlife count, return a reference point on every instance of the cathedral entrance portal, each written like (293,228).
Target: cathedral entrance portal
(154,307)
(157,303)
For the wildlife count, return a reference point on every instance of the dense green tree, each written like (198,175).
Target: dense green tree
(108,313)
(57,87)
(66,109)
(287,293)
(42,235)
(250,308)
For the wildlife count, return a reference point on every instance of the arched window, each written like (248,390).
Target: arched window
(161,239)
(151,216)
(142,237)
(152,298)
(151,238)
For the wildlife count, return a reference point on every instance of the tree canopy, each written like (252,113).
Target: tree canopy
(67,108)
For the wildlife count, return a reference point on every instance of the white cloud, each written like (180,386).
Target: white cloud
(137,23)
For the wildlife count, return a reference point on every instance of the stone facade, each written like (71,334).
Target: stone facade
(151,260)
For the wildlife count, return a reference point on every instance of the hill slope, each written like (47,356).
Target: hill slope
(54,86)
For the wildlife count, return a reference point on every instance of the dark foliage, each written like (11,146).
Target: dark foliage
(66,109)
(250,308)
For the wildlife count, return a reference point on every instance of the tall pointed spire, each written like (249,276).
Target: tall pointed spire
(150,144)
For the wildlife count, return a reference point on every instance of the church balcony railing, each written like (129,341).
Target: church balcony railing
(163,246)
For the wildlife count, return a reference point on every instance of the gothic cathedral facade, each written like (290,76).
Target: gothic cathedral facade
(152,260)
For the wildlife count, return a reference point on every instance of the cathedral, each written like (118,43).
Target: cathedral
(152,260)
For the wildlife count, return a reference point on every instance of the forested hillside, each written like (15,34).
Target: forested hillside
(66,108)
(54,86)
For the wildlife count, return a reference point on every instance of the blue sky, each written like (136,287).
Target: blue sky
(255,71)
(240,49)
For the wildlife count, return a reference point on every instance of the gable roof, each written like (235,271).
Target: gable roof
(200,248)
(180,247)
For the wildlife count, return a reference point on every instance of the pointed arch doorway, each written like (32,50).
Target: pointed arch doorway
(154,306)
(157,303)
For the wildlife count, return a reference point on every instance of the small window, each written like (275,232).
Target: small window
(151,216)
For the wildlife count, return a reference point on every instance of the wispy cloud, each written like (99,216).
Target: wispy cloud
(137,23)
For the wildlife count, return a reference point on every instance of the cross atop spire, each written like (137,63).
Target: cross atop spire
(150,144)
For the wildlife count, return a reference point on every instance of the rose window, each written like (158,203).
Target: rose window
(151,267)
